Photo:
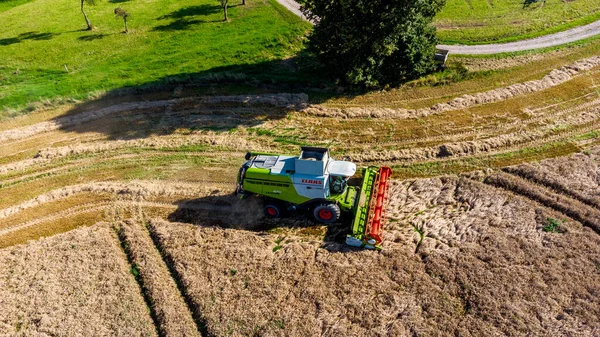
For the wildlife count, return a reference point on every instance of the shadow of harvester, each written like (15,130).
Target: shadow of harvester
(228,211)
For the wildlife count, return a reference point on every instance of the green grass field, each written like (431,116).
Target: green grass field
(52,56)
(8,4)
(486,21)
(49,56)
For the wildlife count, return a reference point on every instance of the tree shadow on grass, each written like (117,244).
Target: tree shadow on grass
(180,24)
(182,17)
(148,109)
(92,37)
(529,3)
(27,36)
(204,9)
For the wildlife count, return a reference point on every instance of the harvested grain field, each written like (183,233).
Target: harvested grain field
(483,266)
(168,307)
(577,176)
(493,223)
(72,284)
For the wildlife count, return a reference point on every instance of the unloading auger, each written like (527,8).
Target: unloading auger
(317,183)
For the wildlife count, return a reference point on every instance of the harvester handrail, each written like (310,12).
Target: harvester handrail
(251,154)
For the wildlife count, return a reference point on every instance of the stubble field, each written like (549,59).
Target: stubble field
(492,230)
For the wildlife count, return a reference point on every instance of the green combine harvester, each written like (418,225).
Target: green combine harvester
(315,182)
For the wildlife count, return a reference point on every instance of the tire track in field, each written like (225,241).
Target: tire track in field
(551,180)
(169,311)
(575,209)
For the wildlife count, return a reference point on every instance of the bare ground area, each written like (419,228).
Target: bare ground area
(73,284)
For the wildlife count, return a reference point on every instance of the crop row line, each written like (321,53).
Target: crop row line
(515,146)
(170,262)
(536,177)
(167,307)
(88,162)
(465,134)
(574,209)
(80,209)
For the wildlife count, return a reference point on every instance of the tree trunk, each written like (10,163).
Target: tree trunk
(243,2)
(87,21)
(225,10)
(125,19)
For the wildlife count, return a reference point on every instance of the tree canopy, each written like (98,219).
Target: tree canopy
(374,42)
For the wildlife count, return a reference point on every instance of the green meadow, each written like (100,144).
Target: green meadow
(47,54)
(488,21)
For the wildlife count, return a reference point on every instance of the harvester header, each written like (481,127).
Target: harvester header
(317,183)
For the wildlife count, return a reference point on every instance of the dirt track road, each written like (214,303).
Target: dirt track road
(551,40)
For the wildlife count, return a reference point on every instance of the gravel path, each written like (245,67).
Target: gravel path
(551,40)
(574,34)
(294,7)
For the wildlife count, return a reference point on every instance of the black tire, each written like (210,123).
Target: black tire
(272,210)
(327,213)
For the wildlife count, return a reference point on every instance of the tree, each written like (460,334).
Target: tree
(224,5)
(122,14)
(374,42)
(87,21)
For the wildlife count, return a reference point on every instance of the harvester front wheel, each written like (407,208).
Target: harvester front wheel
(272,210)
(327,213)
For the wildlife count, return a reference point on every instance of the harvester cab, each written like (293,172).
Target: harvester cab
(316,182)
